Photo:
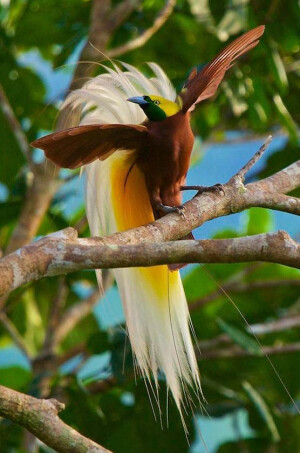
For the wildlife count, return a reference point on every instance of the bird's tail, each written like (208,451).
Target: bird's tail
(153,298)
(154,302)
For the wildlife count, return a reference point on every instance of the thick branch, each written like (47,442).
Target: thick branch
(209,206)
(63,252)
(159,21)
(40,417)
(110,252)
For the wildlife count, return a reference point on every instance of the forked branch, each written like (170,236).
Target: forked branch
(40,417)
(147,245)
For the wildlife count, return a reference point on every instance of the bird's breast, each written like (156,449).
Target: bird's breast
(166,158)
(170,144)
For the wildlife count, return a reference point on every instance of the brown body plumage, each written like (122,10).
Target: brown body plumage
(165,158)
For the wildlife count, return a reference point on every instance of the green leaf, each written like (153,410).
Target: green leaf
(278,70)
(218,9)
(263,410)
(259,221)
(14,377)
(98,343)
(221,409)
(239,337)
(9,211)
(286,118)
(258,445)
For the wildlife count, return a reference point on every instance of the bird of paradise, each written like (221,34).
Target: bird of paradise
(136,160)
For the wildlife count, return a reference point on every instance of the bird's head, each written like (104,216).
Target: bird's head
(156,108)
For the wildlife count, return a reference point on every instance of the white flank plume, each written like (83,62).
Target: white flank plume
(157,319)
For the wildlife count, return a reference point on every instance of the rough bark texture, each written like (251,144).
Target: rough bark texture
(40,417)
(63,252)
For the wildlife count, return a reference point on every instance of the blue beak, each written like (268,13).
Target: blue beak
(138,100)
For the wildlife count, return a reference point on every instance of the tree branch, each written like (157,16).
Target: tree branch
(14,334)
(54,318)
(73,315)
(64,252)
(237,287)
(40,417)
(80,310)
(240,175)
(236,352)
(15,126)
(39,194)
(103,22)
(287,322)
(159,21)
(278,325)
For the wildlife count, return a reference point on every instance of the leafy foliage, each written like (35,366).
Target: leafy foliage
(257,98)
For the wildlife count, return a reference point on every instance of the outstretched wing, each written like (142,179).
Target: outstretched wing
(81,145)
(202,85)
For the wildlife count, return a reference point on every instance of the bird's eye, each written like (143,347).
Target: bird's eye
(156,102)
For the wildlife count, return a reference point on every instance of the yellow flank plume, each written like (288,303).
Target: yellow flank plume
(132,208)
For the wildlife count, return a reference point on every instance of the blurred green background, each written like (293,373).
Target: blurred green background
(82,361)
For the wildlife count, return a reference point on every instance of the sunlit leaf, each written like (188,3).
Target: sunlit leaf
(239,337)
(286,117)
(259,221)
(15,377)
(263,410)
(278,70)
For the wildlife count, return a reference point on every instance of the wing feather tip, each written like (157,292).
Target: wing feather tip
(198,86)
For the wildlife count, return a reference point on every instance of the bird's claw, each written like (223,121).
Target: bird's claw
(217,188)
(180,210)
(168,209)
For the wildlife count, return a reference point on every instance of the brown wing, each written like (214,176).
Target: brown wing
(202,85)
(81,145)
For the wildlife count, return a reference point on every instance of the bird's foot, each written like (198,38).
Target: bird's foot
(167,209)
(218,188)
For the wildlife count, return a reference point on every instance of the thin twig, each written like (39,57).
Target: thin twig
(278,325)
(14,334)
(236,352)
(246,168)
(79,311)
(15,126)
(159,21)
(54,317)
(238,287)
(73,315)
